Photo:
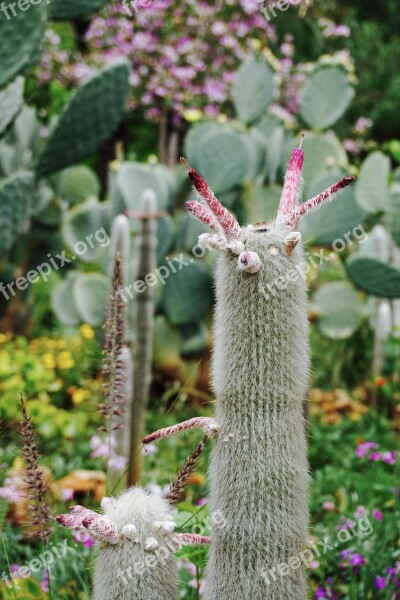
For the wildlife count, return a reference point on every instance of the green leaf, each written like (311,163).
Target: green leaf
(21,34)
(374,276)
(63,304)
(11,102)
(80,226)
(77,184)
(89,119)
(90,293)
(16,194)
(72,9)
(334,219)
(340,310)
(372,189)
(253,89)
(326,97)
(223,160)
(187,293)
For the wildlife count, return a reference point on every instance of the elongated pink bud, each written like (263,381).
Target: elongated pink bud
(70,521)
(204,215)
(81,511)
(102,528)
(292,219)
(227,221)
(291,188)
(190,539)
(207,424)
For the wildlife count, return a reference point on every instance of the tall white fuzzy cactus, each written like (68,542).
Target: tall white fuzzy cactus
(259,472)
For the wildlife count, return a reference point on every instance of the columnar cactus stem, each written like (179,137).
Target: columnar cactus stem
(259,471)
(143,333)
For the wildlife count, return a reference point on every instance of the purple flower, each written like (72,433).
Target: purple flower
(389,457)
(45,582)
(375,456)
(377,514)
(380,583)
(363,448)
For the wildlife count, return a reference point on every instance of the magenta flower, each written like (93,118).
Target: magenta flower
(45,582)
(360,512)
(328,506)
(380,583)
(375,456)
(362,449)
(377,515)
(389,457)
(356,560)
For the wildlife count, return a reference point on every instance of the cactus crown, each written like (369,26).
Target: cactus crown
(279,236)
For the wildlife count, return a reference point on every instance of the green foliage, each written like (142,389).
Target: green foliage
(221,156)
(15,196)
(21,35)
(90,292)
(339,310)
(79,183)
(374,276)
(80,224)
(60,10)
(393,213)
(326,97)
(10,102)
(89,118)
(253,90)
(62,301)
(333,220)
(134,178)
(187,293)
(372,183)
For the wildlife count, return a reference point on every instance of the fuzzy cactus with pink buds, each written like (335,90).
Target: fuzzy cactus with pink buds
(137,542)
(259,471)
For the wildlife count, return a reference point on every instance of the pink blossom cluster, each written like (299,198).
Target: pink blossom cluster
(371,451)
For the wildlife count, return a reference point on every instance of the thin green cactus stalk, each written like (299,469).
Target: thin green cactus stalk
(259,472)
(144,318)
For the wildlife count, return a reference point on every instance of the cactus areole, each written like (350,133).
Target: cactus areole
(259,470)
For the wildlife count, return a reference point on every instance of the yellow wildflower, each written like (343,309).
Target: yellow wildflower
(87,331)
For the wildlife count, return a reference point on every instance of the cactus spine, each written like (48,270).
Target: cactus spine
(259,472)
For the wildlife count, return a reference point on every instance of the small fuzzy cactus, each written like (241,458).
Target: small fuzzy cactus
(259,471)
(136,558)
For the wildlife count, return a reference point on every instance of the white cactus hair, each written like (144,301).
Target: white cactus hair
(259,471)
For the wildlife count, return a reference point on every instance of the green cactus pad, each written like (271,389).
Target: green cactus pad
(253,90)
(272,132)
(187,293)
(261,202)
(393,213)
(90,293)
(195,138)
(15,196)
(20,37)
(372,191)
(59,10)
(223,160)
(193,338)
(165,233)
(63,304)
(80,223)
(88,120)
(189,230)
(374,276)
(326,97)
(333,220)
(10,102)
(134,178)
(77,184)
(339,309)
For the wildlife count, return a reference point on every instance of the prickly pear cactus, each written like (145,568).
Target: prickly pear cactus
(259,472)
(88,119)
(21,35)
(60,9)
(16,193)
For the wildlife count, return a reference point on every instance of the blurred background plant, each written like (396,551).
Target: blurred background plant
(96,107)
